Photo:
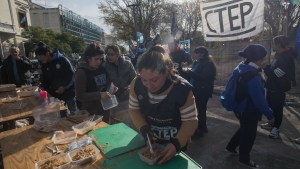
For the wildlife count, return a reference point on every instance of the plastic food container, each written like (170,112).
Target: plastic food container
(27,91)
(84,127)
(9,99)
(87,125)
(45,125)
(109,103)
(61,137)
(84,155)
(94,118)
(84,141)
(61,161)
(46,117)
(149,158)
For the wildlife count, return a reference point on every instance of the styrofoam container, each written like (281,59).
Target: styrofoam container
(151,161)
(87,159)
(65,158)
(61,137)
(109,103)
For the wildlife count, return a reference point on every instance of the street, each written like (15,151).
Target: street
(283,153)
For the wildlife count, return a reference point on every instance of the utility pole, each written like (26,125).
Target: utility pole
(174,28)
(285,17)
(133,7)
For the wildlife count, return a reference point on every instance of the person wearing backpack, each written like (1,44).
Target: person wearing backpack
(280,77)
(253,103)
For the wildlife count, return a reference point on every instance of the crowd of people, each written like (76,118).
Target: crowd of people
(165,95)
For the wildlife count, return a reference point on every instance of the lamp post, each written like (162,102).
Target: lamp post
(174,24)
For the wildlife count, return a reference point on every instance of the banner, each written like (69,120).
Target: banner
(225,20)
(185,45)
(140,37)
(294,2)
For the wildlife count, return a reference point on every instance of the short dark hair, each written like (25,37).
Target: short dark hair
(203,50)
(281,40)
(41,48)
(115,48)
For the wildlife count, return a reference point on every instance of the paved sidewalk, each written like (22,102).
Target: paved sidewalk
(283,153)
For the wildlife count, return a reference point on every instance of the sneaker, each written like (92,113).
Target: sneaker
(232,151)
(297,140)
(274,133)
(250,164)
(266,126)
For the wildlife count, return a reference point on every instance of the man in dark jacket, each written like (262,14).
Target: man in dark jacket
(15,69)
(57,75)
(180,57)
(121,72)
(280,76)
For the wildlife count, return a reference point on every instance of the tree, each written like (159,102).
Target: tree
(65,42)
(191,18)
(128,16)
(276,11)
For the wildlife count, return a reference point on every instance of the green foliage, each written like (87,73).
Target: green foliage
(65,42)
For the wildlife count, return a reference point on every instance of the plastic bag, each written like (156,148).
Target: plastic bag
(46,117)
(21,123)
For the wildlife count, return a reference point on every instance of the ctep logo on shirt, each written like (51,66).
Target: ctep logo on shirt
(164,133)
(100,81)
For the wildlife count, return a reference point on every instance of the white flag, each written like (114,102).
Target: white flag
(225,20)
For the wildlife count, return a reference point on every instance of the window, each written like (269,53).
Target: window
(22,20)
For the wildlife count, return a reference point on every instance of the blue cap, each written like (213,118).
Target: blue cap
(253,52)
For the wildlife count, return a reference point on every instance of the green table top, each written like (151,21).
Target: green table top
(132,161)
(116,139)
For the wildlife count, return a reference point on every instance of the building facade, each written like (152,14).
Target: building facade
(62,19)
(13,19)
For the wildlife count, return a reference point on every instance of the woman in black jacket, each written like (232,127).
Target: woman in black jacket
(202,76)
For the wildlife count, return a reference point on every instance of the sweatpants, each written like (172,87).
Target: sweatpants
(276,102)
(201,105)
(244,137)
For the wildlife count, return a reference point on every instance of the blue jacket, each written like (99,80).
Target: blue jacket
(58,72)
(255,100)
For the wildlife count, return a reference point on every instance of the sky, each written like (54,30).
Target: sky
(86,8)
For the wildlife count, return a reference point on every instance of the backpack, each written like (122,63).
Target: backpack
(234,92)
